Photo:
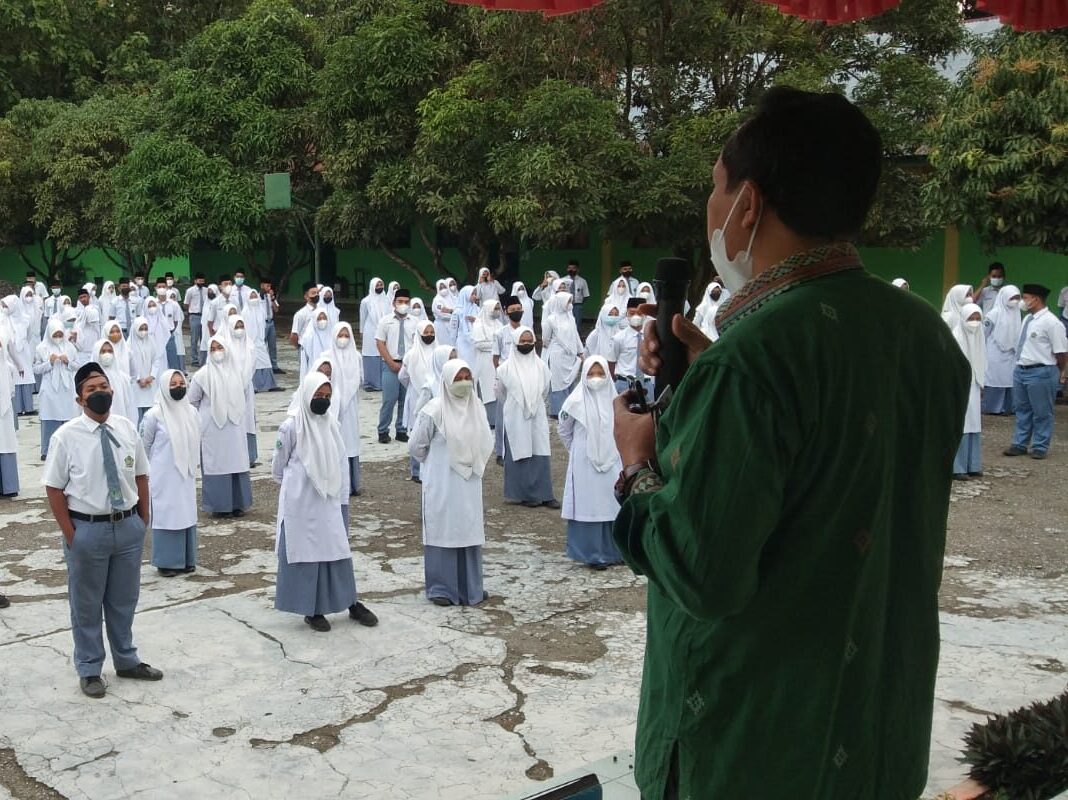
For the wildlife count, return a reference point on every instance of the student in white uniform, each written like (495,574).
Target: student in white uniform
(968,462)
(87,332)
(453,441)
(108,296)
(144,358)
(243,356)
(560,341)
(373,308)
(544,292)
(711,302)
(519,291)
(483,335)
(315,340)
(21,351)
(466,314)
(527,466)
(256,326)
(441,305)
(1041,367)
(599,342)
(171,434)
(327,304)
(315,576)
(415,367)
(394,337)
(625,346)
(488,287)
(9,464)
(345,378)
(220,393)
(503,345)
(956,298)
(54,361)
(173,311)
(1002,327)
(418,312)
(590,507)
(97,484)
(107,355)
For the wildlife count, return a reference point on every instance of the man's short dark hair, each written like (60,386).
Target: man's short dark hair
(199,277)
(994,266)
(161,280)
(625,264)
(309,285)
(139,274)
(815,157)
(123,280)
(224,278)
(572,262)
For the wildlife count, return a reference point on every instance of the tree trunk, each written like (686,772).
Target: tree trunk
(407,265)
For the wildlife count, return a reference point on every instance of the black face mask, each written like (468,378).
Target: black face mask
(211,295)
(427,339)
(515,316)
(319,405)
(525,348)
(125,292)
(380,289)
(177,392)
(314,299)
(328,299)
(99,402)
(572,272)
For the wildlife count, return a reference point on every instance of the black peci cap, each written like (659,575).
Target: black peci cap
(1036,289)
(85,372)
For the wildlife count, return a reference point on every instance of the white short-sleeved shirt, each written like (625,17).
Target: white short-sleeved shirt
(301,318)
(196,297)
(75,463)
(504,343)
(1062,302)
(1044,340)
(388,331)
(624,353)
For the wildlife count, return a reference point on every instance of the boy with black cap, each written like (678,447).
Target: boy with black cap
(1041,367)
(303,315)
(196,300)
(393,337)
(96,478)
(623,351)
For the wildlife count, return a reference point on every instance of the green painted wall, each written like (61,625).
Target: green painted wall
(921,268)
(1022,265)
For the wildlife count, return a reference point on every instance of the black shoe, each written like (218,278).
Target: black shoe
(441,601)
(363,615)
(254,464)
(1015,451)
(500,461)
(44,458)
(170,573)
(402,437)
(357,493)
(1037,455)
(93,687)
(4,602)
(275,389)
(142,672)
(416,479)
(530,504)
(318,623)
(383,438)
(188,570)
(598,567)
(975,474)
(237,512)
(277,371)
(960,476)
(551,504)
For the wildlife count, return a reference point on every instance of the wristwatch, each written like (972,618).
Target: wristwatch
(629,474)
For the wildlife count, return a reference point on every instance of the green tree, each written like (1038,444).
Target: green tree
(1000,150)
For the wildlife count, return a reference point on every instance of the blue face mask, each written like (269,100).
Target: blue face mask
(239,281)
(610,321)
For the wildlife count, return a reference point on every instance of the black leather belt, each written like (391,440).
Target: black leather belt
(115,516)
(1035,366)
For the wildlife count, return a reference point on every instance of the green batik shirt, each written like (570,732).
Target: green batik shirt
(794,548)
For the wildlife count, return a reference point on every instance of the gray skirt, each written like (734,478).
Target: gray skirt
(48,427)
(253,447)
(491,413)
(556,401)
(174,549)
(592,543)
(372,373)
(263,380)
(314,587)
(22,401)
(222,494)
(454,573)
(9,474)
(354,475)
(527,480)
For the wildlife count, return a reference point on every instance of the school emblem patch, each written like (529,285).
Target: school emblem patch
(129,461)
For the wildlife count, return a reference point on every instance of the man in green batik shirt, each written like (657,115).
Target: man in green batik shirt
(790,509)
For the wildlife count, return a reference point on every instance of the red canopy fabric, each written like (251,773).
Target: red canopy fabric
(1024,15)
(550,8)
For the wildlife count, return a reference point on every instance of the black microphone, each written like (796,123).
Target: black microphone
(671,285)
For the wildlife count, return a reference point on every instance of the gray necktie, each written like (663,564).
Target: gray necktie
(400,339)
(1023,336)
(126,307)
(110,470)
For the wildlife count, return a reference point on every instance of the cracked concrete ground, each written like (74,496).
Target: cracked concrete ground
(442,703)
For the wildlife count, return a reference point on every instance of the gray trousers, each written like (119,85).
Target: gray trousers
(194,338)
(270,336)
(104,582)
(392,397)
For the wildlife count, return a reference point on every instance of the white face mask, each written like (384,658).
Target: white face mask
(997,282)
(239,333)
(973,324)
(636,321)
(1015,304)
(444,290)
(219,356)
(321,324)
(143,334)
(461,388)
(107,359)
(596,384)
(343,341)
(57,341)
(737,272)
(170,282)
(403,309)
(225,291)
(152,310)
(255,301)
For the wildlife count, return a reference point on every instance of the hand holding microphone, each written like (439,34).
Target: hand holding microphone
(685,331)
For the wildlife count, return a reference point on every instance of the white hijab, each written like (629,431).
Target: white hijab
(326,357)
(224,386)
(442,355)
(6,386)
(525,376)
(419,356)
(900,283)
(593,409)
(9,330)
(333,313)
(645,291)
(255,318)
(954,303)
(418,309)
(708,308)
(462,421)
(1004,322)
(490,324)
(378,302)
(563,319)
(243,348)
(143,352)
(346,368)
(121,347)
(319,446)
(59,380)
(619,295)
(180,420)
(117,373)
(599,342)
(972,342)
(158,329)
